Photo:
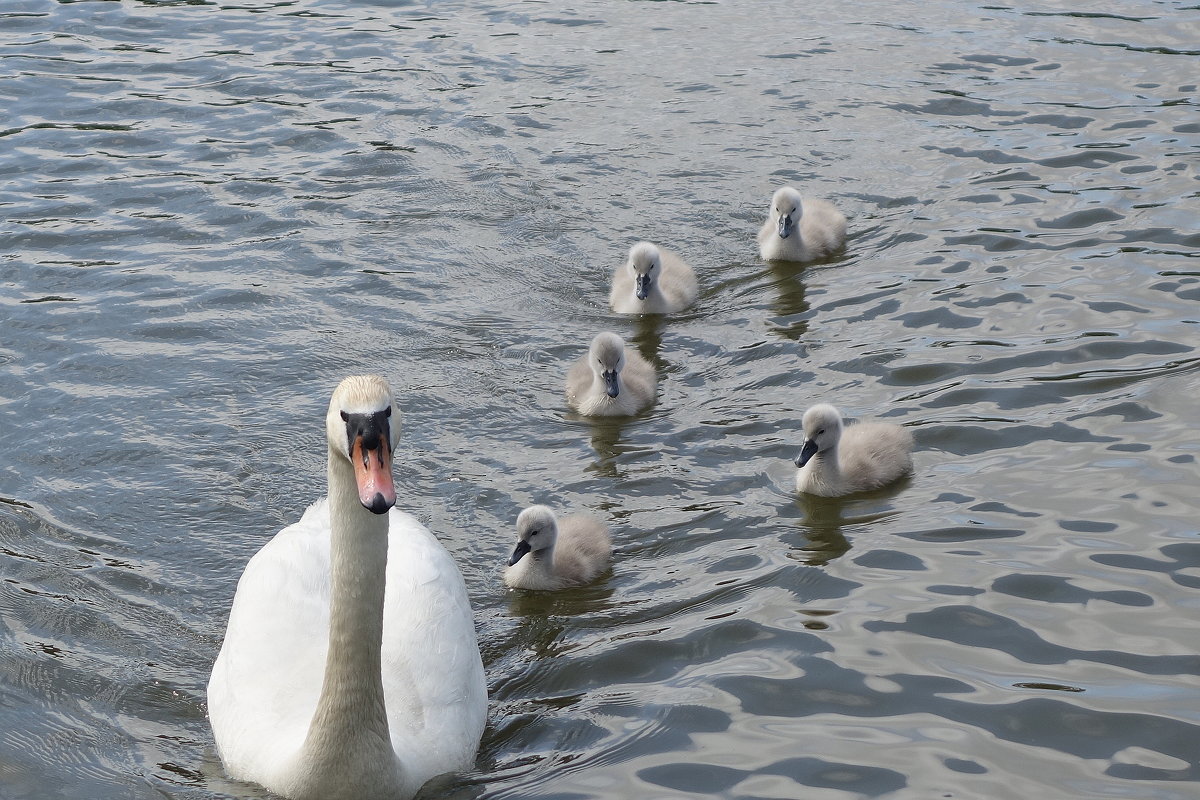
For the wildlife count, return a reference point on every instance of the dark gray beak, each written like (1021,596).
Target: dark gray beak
(785,226)
(610,383)
(519,552)
(643,286)
(808,451)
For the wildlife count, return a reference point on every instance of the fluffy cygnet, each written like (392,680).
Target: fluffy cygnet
(835,462)
(800,230)
(611,380)
(652,281)
(551,554)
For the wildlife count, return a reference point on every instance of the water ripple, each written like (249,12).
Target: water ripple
(212,212)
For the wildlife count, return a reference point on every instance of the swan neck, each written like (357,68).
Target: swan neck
(827,462)
(541,566)
(351,715)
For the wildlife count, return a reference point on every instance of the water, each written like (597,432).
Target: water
(213,212)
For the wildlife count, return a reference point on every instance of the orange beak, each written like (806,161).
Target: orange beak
(373,473)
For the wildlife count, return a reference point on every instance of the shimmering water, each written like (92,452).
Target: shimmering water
(214,211)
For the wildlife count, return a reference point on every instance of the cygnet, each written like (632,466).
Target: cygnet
(800,230)
(652,281)
(611,380)
(551,554)
(836,461)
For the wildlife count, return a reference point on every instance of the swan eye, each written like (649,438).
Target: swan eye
(533,533)
(345,416)
(821,432)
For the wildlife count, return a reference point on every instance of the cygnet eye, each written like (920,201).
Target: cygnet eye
(533,533)
(821,432)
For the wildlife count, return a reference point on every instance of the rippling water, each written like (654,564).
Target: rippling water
(213,211)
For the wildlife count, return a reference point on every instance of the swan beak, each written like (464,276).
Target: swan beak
(519,552)
(643,287)
(610,383)
(785,226)
(373,473)
(808,451)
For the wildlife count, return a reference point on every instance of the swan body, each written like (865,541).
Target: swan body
(800,229)
(552,554)
(611,380)
(350,667)
(652,281)
(835,461)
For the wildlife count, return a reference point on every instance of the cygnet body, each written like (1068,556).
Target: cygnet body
(835,461)
(800,229)
(652,281)
(553,554)
(611,380)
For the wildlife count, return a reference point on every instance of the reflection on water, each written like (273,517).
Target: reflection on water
(607,444)
(790,307)
(213,212)
(648,339)
(542,616)
(827,523)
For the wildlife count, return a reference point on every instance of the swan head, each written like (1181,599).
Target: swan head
(363,427)
(607,356)
(537,528)
(786,210)
(644,262)
(822,429)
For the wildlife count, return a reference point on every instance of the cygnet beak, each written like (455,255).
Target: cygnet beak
(643,287)
(519,552)
(785,226)
(808,451)
(611,384)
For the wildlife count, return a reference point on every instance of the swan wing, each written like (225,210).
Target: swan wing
(875,454)
(267,678)
(579,382)
(621,297)
(433,679)
(678,281)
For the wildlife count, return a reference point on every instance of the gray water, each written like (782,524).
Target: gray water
(214,211)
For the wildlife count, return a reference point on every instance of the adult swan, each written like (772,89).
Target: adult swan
(350,667)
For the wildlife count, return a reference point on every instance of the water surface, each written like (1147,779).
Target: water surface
(212,212)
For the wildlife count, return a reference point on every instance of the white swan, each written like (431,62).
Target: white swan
(865,456)
(611,380)
(551,554)
(800,230)
(350,667)
(652,281)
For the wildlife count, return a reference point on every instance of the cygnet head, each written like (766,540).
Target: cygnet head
(822,429)
(363,427)
(537,528)
(607,356)
(644,262)
(786,210)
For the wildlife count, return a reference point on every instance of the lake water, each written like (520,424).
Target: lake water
(211,212)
